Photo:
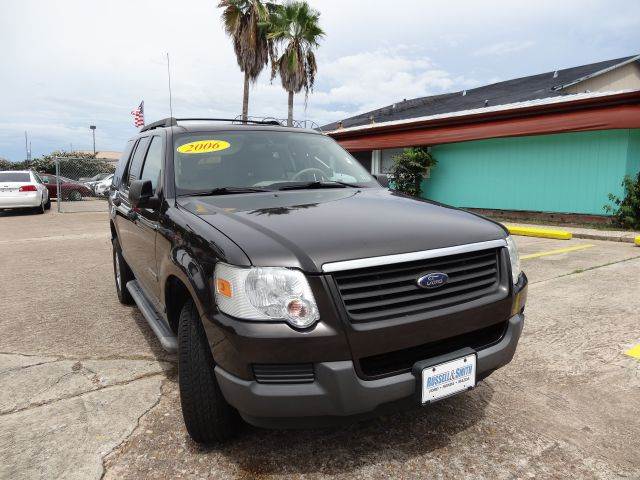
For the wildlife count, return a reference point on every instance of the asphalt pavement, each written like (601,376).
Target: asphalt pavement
(87,392)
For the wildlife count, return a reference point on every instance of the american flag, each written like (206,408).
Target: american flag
(138,115)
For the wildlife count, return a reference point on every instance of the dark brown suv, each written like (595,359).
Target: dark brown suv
(295,287)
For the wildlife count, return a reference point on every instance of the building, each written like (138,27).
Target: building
(106,155)
(559,141)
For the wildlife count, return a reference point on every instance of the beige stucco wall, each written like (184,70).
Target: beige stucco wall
(626,77)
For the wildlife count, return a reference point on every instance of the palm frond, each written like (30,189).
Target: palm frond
(295,25)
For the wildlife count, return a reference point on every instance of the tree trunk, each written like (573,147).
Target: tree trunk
(245,97)
(290,110)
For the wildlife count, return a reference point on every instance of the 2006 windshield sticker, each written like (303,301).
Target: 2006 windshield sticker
(204,146)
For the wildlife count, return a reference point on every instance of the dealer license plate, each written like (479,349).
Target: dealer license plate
(446,379)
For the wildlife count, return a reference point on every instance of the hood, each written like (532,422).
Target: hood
(308,228)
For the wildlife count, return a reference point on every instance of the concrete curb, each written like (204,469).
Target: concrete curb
(566,233)
(608,237)
(539,232)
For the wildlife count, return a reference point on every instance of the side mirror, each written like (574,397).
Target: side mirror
(382,179)
(141,195)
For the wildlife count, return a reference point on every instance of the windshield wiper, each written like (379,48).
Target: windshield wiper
(229,191)
(318,184)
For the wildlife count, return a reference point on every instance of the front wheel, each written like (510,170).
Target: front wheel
(207,415)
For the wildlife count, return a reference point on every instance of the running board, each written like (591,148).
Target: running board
(167,339)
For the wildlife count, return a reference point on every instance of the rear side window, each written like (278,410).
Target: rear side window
(15,177)
(136,161)
(153,162)
(122,163)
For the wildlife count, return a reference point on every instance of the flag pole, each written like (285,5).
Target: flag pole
(169,77)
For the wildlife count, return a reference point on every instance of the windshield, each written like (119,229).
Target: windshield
(14,177)
(263,159)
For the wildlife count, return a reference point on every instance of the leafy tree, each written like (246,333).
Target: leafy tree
(295,26)
(409,168)
(72,164)
(626,211)
(5,164)
(246,22)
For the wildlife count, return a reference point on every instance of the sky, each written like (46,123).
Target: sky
(72,63)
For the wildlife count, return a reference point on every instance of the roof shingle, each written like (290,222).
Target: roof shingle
(533,87)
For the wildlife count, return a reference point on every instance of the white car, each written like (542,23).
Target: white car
(23,189)
(102,188)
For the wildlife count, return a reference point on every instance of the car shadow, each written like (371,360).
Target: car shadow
(18,212)
(342,450)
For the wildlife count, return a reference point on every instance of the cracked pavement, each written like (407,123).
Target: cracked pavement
(86,391)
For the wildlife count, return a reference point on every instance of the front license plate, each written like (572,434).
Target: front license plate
(449,378)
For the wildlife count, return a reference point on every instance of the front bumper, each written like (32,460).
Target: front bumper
(338,391)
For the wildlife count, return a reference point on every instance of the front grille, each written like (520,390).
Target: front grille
(284,373)
(400,361)
(378,293)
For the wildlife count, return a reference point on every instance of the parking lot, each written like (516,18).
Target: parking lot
(87,392)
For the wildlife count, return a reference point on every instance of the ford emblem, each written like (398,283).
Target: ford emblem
(432,280)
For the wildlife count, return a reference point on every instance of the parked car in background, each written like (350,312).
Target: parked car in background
(95,178)
(101,189)
(93,181)
(23,189)
(71,190)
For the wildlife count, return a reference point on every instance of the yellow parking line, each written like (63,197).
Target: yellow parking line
(637,240)
(634,352)
(556,252)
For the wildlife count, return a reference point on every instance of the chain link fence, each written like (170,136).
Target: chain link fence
(79,184)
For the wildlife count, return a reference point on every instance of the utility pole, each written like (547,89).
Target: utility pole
(93,130)
(26,146)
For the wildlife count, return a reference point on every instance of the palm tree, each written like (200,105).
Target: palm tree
(246,23)
(296,26)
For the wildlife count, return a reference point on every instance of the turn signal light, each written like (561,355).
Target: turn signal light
(28,188)
(224,287)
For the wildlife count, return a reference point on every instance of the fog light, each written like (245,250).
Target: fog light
(298,312)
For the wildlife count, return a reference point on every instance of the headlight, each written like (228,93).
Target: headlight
(265,293)
(514,258)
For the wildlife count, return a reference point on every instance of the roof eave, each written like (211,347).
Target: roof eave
(539,109)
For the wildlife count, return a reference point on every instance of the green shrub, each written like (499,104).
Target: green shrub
(409,168)
(72,164)
(626,211)
(5,164)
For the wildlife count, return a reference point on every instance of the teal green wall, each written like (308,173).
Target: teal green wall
(569,172)
(633,153)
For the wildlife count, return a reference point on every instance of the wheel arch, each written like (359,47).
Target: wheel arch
(176,294)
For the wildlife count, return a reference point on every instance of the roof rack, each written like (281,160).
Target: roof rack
(172,122)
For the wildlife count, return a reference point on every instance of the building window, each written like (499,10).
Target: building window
(364,158)
(386,158)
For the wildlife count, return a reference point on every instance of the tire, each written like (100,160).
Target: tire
(40,210)
(121,274)
(75,196)
(207,415)
(47,206)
